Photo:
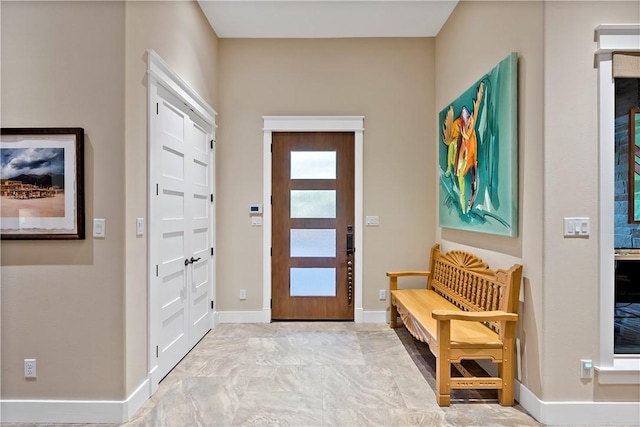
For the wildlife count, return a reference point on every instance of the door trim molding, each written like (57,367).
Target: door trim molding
(272,124)
(160,74)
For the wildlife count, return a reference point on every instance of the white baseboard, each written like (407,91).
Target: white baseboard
(215,318)
(241,316)
(264,316)
(578,413)
(153,380)
(375,317)
(75,411)
(137,399)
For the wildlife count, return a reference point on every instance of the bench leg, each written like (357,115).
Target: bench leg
(443,364)
(393,310)
(443,382)
(505,396)
(507,367)
(393,314)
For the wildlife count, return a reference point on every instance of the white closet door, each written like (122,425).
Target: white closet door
(200,231)
(184,214)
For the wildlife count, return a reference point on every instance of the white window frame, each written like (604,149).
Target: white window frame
(612,369)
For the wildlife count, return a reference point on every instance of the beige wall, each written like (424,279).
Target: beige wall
(81,307)
(571,158)
(63,65)
(388,81)
(557,86)
(181,35)
(465,50)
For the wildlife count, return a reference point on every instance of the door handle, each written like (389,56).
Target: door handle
(190,261)
(350,248)
(350,251)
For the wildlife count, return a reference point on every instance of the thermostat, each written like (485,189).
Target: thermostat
(255,209)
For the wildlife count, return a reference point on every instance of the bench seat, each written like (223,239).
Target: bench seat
(415,307)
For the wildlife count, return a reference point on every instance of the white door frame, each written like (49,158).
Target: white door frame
(159,73)
(272,124)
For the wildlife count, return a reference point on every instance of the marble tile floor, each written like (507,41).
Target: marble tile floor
(308,374)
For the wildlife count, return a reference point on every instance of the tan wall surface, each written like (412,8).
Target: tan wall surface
(476,37)
(62,301)
(571,182)
(390,83)
(181,35)
(555,43)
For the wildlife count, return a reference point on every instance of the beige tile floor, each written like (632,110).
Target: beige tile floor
(307,374)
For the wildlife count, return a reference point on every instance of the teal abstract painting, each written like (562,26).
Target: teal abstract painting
(478,155)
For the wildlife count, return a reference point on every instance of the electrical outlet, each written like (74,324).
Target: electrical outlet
(29,368)
(243,294)
(586,368)
(382,294)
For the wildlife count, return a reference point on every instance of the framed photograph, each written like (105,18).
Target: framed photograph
(478,155)
(634,166)
(42,183)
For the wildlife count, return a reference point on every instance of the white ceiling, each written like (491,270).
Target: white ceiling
(326,19)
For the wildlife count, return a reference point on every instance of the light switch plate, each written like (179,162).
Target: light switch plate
(577,227)
(372,221)
(139,226)
(99,225)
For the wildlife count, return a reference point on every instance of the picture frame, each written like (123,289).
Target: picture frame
(478,155)
(42,184)
(634,166)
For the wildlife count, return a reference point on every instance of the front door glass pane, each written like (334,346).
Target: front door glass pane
(312,282)
(313,203)
(311,242)
(313,165)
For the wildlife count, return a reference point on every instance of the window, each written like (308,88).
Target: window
(626,326)
(612,368)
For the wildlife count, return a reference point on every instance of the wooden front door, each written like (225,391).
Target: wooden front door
(312,234)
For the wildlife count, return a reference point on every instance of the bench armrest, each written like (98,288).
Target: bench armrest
(477,316)
(393,277)
(407,273)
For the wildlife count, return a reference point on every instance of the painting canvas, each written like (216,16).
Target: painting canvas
(478,155)
(41,183)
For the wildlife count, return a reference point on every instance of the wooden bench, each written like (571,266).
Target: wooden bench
(467,311)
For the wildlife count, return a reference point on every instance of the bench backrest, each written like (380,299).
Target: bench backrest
(468,282)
